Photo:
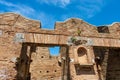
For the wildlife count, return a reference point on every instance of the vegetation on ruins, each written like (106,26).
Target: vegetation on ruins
(73,39)
(78,32)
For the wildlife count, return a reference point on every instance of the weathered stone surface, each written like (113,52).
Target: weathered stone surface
(8,19)
(25,55)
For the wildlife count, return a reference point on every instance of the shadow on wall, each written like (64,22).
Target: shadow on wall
(113,66)
(23,63)
(81,69)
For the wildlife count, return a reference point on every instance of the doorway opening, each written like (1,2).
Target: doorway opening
(35,62)
(109,62)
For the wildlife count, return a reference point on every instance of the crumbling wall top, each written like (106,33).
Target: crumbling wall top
(74,26)
(71,27)
(16,21)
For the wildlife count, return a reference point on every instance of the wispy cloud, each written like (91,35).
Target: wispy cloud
(3,2)
(46,19)
(60,3)
(90,7)
(18,8)
(84,9)
(78,8)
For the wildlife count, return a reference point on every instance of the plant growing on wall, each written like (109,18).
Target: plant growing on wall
(76,41)
(78,32)
(73,39)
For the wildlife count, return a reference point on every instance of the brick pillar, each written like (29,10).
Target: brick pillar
(65,63)
(105,64)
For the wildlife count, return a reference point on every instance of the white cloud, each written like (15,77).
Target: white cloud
(90,8)
(84,9)
(6,3)
(24,10)
(18,8)
(47,20)
(65,2)
(60,3)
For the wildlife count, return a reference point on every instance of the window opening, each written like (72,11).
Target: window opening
(54,51)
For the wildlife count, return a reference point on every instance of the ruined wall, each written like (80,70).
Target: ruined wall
(9,51)
(81,65)
(11,42)
(23,57)
(44,66)
(74,25)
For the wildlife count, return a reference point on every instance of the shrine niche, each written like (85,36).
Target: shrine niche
(82,55)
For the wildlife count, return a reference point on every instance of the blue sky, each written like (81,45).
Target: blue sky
(96,12)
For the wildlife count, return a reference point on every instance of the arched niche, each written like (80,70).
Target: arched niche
(81,51)
(82,57)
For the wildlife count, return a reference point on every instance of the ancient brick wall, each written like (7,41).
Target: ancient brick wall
(44,65)
(25,54)
(11,43)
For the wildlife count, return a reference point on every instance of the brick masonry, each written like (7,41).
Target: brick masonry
(24,50)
